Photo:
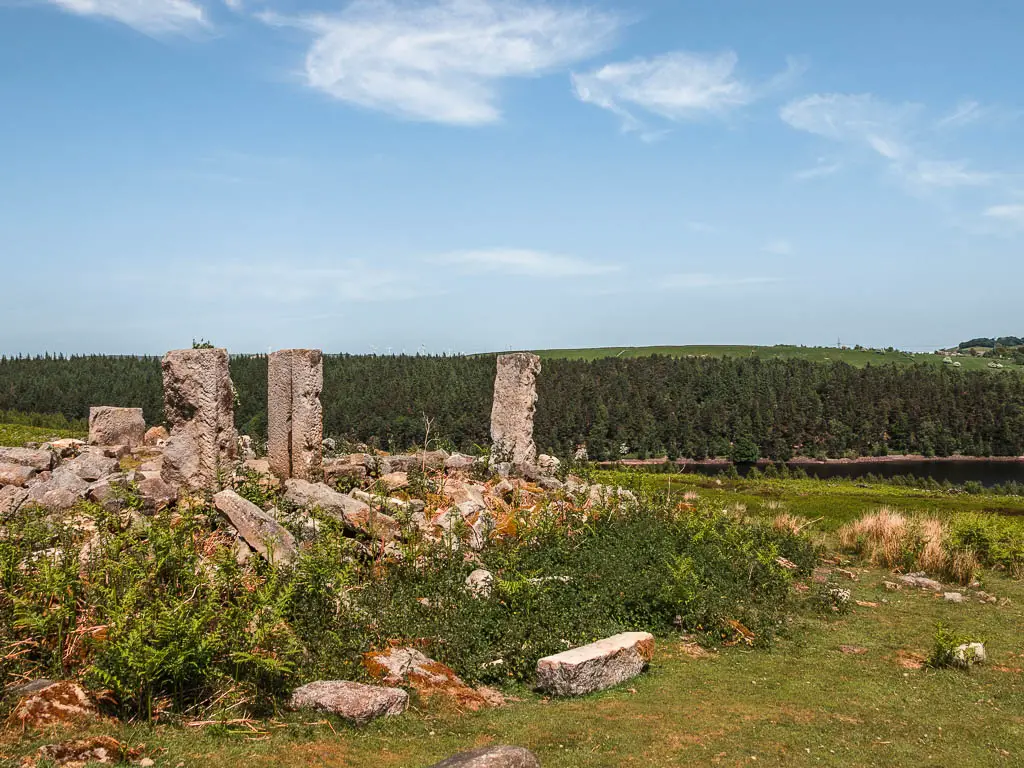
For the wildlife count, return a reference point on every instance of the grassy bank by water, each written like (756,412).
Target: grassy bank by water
(832,503)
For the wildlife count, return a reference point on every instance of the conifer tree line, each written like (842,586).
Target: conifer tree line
(742,408)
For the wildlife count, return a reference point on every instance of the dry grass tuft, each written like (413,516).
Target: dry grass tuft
(788,523)
(890,539)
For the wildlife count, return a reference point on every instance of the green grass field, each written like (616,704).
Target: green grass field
(803,703)
(832,502)
(15,435)
(853,357)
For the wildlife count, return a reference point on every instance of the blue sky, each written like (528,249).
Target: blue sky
(468,175)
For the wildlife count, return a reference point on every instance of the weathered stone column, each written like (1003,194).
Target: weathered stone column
(515,402)
(295,417)
(199,405)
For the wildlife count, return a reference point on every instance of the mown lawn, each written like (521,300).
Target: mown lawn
(802,703)
(856,357)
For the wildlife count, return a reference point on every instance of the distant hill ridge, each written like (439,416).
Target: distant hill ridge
(999,341)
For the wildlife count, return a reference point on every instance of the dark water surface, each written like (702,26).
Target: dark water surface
(988,473)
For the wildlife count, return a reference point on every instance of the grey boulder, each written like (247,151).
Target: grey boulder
(91,466)
(356,515)
(354,702)
(116,426)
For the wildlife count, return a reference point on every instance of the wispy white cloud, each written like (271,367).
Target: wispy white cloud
(149,16)
(964,113)
(1011,213)
(524,262)
(779,247)
(821,168)
(889,131)
(443,61)
(678,86)
(693,280)
(944,173)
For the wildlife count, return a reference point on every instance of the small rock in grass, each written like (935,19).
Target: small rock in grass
(492,757)
(970,653)
(480,582)
(920,581)
(853,650)
(61,702)
(96,749)
(953,597)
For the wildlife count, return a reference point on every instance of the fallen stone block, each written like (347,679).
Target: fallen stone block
(36,458)
(336,469)
(408,666)
(548,465)
(597,666)
(116,426)
(394,481)
(259,530)
(90,466)
(492,757)
(355,702)
(458,461)
(15,474)
(356,516)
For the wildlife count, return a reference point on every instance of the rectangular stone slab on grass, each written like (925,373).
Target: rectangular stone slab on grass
(597,666)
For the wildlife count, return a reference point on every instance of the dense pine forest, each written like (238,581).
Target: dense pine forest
(743,408)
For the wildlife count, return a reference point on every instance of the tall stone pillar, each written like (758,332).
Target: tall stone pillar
(515,402)
(199,405)
(295,417)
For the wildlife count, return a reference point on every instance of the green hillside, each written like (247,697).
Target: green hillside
(855,357)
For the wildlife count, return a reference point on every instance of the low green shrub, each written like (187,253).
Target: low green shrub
(944,649)
(996,541)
